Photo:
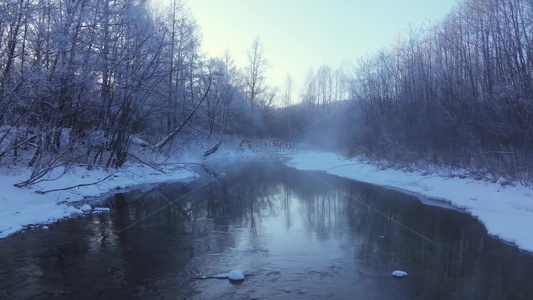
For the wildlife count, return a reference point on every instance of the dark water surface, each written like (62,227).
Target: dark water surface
(300,235)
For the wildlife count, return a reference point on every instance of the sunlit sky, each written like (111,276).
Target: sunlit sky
(302,34)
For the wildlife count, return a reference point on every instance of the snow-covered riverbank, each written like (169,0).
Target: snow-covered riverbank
(20,207)
(506,212)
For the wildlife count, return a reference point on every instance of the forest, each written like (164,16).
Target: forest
(80,80)
(458,93)
(84,81)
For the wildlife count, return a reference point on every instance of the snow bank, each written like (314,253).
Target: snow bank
(101,209)
(506,212)
(20,207)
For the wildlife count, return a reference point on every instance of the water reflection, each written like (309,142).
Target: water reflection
(301,235)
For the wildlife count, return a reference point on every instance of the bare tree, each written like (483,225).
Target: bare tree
(255,72)
(287,101)
(324,82)
(309,91)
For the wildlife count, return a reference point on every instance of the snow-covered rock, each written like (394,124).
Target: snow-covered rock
(101,209)
(399,273)
(45,227)
(236,275)
(86,207)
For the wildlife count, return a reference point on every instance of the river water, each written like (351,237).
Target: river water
(296,235)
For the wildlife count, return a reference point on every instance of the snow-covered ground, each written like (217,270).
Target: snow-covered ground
(506,212)
(20,207)
(28,207)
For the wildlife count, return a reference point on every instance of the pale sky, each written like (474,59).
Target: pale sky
(302,34)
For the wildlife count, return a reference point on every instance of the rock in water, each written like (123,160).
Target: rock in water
(236,275)
(399,274)
(86,207)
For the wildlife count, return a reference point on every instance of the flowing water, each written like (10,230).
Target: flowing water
(296,235)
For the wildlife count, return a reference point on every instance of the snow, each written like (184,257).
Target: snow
(86,207)
(45,227)
(140,142)
(506,211)
(399,273)
(101,209)
(236,275)
(20,207)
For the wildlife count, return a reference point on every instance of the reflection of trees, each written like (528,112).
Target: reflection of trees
(322,213)
(450,260)
(242,198)
(286,206)
(167,235)
(457,266)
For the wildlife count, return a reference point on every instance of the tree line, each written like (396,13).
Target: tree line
(81,80)
(459,93)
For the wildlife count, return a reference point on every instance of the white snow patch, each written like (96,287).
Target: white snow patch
(399,273)
(86,207)
(232,275)
(506,213)
(235,275)
(101,209)
(221,275)
(140,142)
(45,227)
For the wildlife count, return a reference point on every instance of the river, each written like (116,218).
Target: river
(295,234)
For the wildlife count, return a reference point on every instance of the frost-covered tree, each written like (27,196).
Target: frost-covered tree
(255,73)
(457,93)
(79,79)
